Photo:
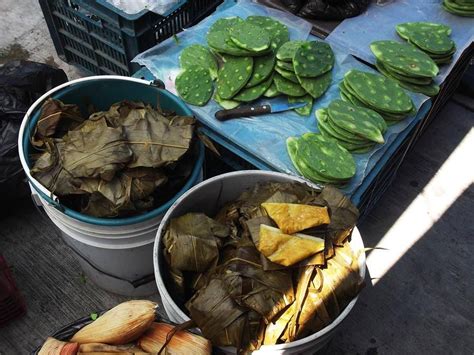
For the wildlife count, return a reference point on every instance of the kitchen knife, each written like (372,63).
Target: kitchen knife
(248,111)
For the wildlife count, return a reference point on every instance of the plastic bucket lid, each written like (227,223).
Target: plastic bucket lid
(101,92)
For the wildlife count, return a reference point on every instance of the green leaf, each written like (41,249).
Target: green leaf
(82,278)
(94,316)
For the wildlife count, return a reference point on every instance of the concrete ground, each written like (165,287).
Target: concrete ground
(24,35)
(419,294)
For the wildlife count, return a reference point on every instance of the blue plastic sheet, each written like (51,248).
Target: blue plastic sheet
(378,23)
(264,137)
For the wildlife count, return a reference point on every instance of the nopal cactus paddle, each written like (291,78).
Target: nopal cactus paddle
(279,33)
(194,85)
(316,87)
(287,74)
(295,151)
(262,69)
(325,124)
(226,104)
(287,51)
(432,42)
(220,42)
(285,65)
(350,118)
(197,55)
(313,59)
(288,87)
(406,57)
(233,76)
(429,90)
(250,37)
(378,91)
(305,110)
(326,157)
(224,24)
(271,91)
(400,76)
(254,92)
(405,30)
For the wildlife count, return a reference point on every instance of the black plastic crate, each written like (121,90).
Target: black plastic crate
(103,39)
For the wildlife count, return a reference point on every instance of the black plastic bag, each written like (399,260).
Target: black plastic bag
(333,9)
(21,84)
(293,5)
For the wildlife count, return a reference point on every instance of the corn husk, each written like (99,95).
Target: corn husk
(292,218)
(182,342)
(100,348)
(285,249)
(56,347)
(120,325)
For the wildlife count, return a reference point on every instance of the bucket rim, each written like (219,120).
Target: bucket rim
(162,289)
(54,201)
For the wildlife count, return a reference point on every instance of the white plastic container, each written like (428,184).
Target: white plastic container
(208,197)
(116,254)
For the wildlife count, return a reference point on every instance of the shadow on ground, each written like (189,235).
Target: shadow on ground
(424,303)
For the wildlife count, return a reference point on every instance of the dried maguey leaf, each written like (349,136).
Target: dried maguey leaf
(96,150)
(192,243)
(55,121)
(117,160)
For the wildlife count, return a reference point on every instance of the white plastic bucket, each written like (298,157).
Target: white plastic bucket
(116,254)
(208,197)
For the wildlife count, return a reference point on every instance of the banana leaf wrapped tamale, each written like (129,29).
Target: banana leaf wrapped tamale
(253,283)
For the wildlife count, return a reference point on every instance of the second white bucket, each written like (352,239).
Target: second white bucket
(208,197)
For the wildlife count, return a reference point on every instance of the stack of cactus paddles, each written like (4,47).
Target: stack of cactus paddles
(431,38)
(378,93)
(460,7)
(321,159)
(251,59)
(407,65)
(355,128)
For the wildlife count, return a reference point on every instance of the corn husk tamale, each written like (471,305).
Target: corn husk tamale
(120,325)
(53,346)
(106,348)
(182,342)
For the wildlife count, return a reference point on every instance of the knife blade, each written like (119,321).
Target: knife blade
(250,111)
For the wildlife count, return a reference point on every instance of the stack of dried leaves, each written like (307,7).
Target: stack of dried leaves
(247,280)
(119,162)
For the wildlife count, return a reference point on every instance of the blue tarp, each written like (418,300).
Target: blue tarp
(378,23)
(264,137)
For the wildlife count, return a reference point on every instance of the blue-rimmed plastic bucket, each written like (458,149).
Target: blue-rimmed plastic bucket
(116,254)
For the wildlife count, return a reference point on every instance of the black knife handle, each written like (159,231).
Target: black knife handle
(243,111)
